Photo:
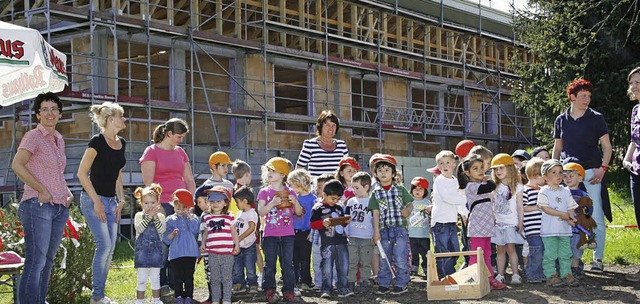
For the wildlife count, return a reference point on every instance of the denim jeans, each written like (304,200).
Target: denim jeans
(598,214)
(43,228)
(317,258)
(278,247)
(533,269)
(395,242)
(246,259)
(105,235)
(445,239)
(337,255)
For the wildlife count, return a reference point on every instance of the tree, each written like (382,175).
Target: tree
(598,40)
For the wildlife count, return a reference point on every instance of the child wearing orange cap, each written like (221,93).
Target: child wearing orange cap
(419,224)
(347,167)
(182,226)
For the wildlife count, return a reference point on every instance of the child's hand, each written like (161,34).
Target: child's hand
(572,222)
(428,209)
(293,199)
(236,249)
(347,221)
(520,227)
(276,201)
(565,216)
(376,237)
(326,223)
(173,234)
(203,249)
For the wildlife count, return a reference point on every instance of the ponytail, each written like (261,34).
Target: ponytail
(463,166)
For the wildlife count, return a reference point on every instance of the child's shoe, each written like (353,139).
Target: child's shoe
(156,301)
(325,295)
(345,293)
(399,290)
(495,284)
(104,300)
(382,290)
(516,279)
(571,281)
(597,266)
(179,300)
(633,277)
(271,296)
(289,297)
(237,288)
(138,301)
(555,281)
(296,292)
(577,272)
(253,289)
(500,278)
(188,301)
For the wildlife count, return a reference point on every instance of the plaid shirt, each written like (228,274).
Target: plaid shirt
(390,203)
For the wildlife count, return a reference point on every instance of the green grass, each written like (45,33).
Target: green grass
(623,248)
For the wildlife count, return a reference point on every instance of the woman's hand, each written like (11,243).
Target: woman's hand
(119,211)
(98,209)
(627,165)
(598,174)
(45,197)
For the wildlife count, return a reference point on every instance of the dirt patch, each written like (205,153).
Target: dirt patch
(607,287)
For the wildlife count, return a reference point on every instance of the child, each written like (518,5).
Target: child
(419,224)
(279,235)
(391,204)
(314,236)
(557,218)
(220,241)
(347,167)
(242,172)
(180,236)
(300,181)
(574,175)
(532,217)
(507,207)
(150,225)
(333,239)
(485,154)
(478,189)
(219,166)
(444,213)
(246,224)
(360,231)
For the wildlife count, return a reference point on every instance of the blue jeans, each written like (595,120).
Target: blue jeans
(445,239)
(575,252)
(395,242)
(246,259)
(43,228)
(533,269)
(275,247)
(337,255)
(598,214)
(105,235)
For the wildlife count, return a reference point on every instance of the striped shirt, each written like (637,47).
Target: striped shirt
(532,219)
(219,238)
(319,161)
(141,221)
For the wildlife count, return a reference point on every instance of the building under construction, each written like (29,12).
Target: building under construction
(406,77)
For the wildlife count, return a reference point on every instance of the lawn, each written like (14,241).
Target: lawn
(622,248)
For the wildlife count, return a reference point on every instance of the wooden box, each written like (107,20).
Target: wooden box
(470,283)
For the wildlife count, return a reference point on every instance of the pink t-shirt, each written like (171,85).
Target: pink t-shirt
(169,167)
(46,164)
(278,222)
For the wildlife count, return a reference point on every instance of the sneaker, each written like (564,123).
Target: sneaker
(577,272)
(633,277)
(297,292)
(188,301)
(597,266)
(237,288)
(534,281)
(289,297)
(555,281)
(495,284)
(316,287)
(571,281)
(500,278)
(325,295)
(179,300)
(345,293)
(399,290)
(166,291)
(382,290)
(156,301)
(305,286)
(253,289)
(271,296)
(516,279)
(104,300)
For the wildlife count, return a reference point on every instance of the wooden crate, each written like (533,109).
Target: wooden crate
(472,282)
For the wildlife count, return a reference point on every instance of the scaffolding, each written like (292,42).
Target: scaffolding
(250,76)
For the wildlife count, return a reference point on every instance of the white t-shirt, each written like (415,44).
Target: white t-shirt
(242,224)
(559,199)
(505,205)
(446,200)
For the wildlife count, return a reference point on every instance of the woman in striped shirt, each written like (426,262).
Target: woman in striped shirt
(322,154)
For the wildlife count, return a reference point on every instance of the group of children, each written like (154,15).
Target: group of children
(359,228)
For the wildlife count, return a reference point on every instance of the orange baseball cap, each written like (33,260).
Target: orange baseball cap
(219,158)
(574,167)
(502,159)
(279,165)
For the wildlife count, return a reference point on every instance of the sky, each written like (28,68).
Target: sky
(503,5)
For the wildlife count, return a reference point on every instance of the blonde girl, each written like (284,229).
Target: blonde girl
(220,241)
(480,225)
(508,211)
(150,225)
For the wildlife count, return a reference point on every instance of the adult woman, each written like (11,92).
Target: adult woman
(322,153)
(631,160)
(581,132)
(102,195)
(44,207)
(167,164)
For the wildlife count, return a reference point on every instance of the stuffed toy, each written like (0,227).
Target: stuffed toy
(585,224)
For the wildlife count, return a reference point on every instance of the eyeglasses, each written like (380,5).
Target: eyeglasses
(50,110)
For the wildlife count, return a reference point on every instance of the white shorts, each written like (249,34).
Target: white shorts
(506,235)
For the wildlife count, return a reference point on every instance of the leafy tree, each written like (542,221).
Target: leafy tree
(597,40)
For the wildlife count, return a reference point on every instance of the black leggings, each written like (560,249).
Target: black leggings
(183,269)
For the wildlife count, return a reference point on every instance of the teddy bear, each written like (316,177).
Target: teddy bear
(585,224)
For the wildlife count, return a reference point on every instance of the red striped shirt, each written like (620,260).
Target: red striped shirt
(219,238)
